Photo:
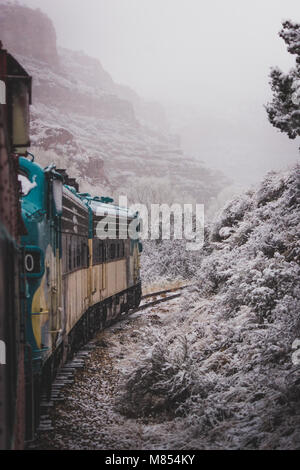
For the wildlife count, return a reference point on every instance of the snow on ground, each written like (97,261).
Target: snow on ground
(88,417)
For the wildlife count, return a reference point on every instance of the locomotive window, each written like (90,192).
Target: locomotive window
(65,253)
(112,251)
(97,251)
(122,249)
(75,253)
(78,255)
(69,239)
(100,249)
(84,261)
(74,243)
(104,250)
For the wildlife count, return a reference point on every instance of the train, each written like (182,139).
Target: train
(78,282)
(74,266)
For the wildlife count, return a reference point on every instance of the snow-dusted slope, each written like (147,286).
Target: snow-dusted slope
(223,367)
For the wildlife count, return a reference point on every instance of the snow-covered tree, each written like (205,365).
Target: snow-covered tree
(284,110)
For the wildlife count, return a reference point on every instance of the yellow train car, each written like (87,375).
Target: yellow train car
(100,271)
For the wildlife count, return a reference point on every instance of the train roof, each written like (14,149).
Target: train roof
(101,208)
(71,193)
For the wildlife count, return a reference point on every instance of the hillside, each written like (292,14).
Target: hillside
(223,366)
(97,128)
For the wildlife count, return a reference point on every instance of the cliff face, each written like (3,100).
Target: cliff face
(85,117)
(28,32)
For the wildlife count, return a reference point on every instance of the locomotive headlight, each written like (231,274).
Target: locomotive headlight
(33,262)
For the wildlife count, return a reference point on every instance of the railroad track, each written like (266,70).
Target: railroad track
(162,292)
(163,297)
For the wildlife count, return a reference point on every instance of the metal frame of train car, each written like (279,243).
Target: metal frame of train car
(15,86)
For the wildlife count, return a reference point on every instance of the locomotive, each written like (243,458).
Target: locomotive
(69,265)
(77,282)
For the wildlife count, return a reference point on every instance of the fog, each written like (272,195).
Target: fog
(206,61)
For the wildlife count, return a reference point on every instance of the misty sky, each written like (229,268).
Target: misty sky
(212,55)
(178,49)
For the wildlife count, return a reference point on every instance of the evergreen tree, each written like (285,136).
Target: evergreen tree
(284,110)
